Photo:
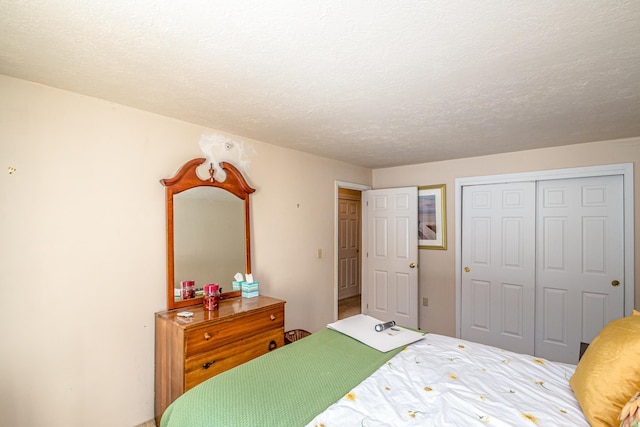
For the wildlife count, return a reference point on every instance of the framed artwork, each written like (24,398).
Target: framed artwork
(432,217)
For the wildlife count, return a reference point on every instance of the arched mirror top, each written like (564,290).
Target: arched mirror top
(187,179)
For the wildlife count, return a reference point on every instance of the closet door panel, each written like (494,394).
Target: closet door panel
(554,256)
(581,245)
(498,279)
(555,325)
(512,321)
(480,305)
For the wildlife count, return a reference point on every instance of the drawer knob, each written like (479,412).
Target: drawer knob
(207,336)
(206,365)
(273,317)
(272,345)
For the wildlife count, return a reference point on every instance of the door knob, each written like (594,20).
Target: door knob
(412,265)
(467,269)
(615,283)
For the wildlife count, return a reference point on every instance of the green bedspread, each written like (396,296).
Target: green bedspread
(287,387)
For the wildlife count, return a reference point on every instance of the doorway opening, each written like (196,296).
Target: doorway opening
(348,250)
(350,306)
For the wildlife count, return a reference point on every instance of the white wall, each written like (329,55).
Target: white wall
(437,267)
(82,224)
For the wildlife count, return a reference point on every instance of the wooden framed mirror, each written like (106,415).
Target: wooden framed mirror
(206,222)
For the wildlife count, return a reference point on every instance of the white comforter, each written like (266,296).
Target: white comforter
(443,381)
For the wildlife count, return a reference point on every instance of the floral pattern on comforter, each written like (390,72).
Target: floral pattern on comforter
(444,381)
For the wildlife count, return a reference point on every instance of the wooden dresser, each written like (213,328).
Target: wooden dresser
(189,351)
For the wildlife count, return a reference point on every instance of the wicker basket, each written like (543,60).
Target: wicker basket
(295,335)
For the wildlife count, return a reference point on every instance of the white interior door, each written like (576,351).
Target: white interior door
(391,275)
(580,259)
(498,259)
(348,248)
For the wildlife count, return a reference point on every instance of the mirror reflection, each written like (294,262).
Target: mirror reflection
(209,238)
(208,230)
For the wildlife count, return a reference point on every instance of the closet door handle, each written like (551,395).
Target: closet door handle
(615,283)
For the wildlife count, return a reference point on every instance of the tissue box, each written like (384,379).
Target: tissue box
(249,287)
(250,290)
(237,285)
(250,294)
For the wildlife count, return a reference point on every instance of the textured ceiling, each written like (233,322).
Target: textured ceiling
(372,83)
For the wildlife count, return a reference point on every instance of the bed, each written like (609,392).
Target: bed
(330,379)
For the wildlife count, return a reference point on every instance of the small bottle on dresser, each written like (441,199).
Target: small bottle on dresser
(211,297)
(188,290)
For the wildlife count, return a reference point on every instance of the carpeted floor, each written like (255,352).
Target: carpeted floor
(348,307)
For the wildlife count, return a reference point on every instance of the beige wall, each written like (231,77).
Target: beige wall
(437,267)
(83,249)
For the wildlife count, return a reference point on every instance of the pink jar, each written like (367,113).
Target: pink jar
(211,297)
(188,289)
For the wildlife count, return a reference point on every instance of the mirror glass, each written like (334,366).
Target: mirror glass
(209,240)
(208,231)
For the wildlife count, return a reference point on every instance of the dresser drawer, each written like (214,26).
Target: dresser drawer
(212,336)
(204,366)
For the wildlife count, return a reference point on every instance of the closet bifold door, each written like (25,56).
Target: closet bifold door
(580,262)
(498,260)
(542,263)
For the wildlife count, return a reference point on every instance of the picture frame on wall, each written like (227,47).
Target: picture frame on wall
(432,217)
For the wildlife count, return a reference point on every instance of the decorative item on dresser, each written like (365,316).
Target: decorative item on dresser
(192,350)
